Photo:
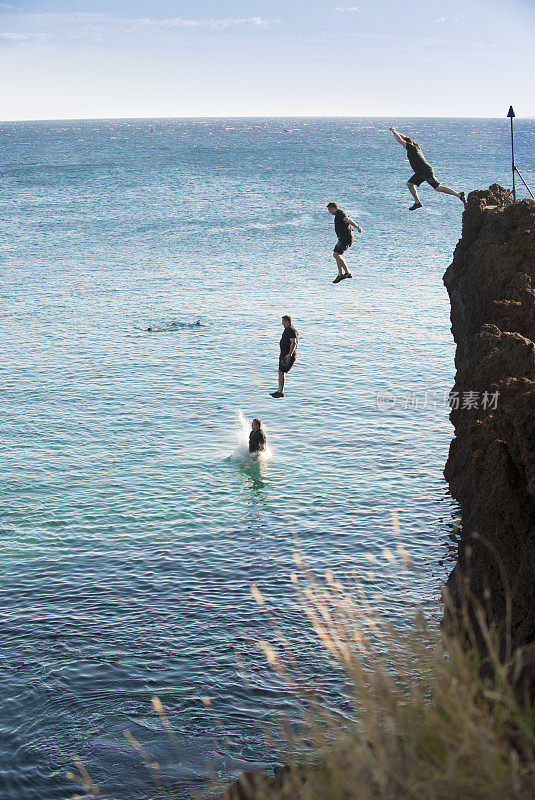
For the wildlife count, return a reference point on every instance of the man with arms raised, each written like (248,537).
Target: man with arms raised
(423,171)
(288,347)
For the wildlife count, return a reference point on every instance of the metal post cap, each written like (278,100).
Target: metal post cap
(511,113)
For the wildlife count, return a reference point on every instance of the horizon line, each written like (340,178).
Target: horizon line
(246,116)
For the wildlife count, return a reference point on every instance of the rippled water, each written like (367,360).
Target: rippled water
(129,536)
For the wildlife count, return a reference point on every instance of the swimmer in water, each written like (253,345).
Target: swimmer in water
(174,325)
(257,437)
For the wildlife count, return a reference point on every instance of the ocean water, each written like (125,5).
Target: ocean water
(131,529)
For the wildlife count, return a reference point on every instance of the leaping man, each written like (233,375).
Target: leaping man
(423,171)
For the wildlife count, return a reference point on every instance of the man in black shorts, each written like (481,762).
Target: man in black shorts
(288,346)
(343,227)
(423,171)
(257,437)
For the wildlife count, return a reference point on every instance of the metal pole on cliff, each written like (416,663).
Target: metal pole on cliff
(511,114)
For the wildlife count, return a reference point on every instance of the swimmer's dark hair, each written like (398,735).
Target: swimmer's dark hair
(332,204)
(288,317)
(259,421)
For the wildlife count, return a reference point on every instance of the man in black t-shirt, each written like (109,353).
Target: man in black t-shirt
(423,171)
(257,437)
(343,227)
(288,347)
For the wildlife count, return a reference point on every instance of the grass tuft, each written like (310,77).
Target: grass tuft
(425,716)
(428,718)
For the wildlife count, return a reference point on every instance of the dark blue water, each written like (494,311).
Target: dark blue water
(130,535)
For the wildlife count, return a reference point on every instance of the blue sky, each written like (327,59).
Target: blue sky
(266,57)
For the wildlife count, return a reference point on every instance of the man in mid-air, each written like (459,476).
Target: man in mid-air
(288,346)
(257,437)
(343,227)
(423,171)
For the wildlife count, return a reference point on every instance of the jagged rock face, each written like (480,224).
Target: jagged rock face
(491,464)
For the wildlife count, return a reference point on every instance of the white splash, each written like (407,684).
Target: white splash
(241,453)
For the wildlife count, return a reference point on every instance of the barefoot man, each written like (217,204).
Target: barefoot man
(423,171)
(343,227)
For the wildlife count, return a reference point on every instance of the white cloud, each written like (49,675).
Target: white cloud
(24,37)
(211,24)
(347,8)
(5,5)
(99,30)
(99,25)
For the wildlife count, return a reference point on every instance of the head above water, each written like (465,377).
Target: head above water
(286,320)
(332,207)
(256,423)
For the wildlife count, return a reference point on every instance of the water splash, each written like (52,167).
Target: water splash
(241,454)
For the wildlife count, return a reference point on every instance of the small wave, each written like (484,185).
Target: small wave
(296,222)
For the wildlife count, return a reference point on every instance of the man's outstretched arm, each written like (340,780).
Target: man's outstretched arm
(355,225)
(399,138)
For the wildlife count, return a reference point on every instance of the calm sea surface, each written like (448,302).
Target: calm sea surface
(130,535)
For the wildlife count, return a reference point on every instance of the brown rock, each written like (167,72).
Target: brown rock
(491,464)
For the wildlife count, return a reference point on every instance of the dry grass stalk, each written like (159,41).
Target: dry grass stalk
(424,723)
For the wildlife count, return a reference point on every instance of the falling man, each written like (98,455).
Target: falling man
(288,347)
(343,227)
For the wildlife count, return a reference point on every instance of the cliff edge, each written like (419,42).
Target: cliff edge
(491,463)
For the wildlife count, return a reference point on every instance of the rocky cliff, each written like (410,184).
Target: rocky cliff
(491,463)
